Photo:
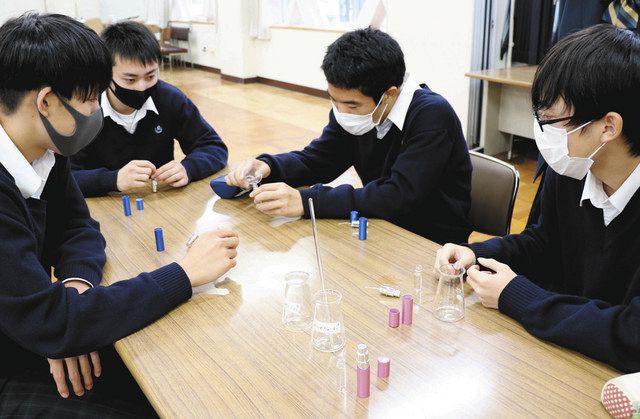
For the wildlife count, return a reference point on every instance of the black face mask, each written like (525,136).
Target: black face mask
(132,98)
(87,129)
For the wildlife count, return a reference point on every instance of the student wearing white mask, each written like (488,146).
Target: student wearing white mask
(574,277)
(404,140)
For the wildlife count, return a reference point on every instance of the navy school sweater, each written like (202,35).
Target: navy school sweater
(578,282)
(418,178)
(44,319)
(96,167)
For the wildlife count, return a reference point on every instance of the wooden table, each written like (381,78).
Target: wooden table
(506,106)
(223,356)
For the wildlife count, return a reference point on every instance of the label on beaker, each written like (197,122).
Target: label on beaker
(329,328)
(293,308)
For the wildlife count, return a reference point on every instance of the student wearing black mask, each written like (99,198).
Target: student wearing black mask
(142,116)
(56,337)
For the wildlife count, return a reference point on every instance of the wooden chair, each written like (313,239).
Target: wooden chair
(171,43)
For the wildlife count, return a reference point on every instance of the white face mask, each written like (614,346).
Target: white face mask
(553,144)
(358,124)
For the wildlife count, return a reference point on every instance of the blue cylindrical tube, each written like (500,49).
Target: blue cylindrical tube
(362,229)
(159,239)
(354,217)
(126,205)
(139,204)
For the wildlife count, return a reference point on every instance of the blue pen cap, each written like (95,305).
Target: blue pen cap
(126,205)
(159,239)
(362,228)
(354,217)
(139,204)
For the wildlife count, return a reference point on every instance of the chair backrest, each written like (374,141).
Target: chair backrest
(494,185)
(155,29)
(95,24)
(179,34)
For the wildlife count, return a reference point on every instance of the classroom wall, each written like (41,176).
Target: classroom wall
(79,9)
(436,51)
(437,47)
(113,10)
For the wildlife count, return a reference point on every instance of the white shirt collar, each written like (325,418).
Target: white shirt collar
(399,111)
(29,178)
(613,205)
(128,122)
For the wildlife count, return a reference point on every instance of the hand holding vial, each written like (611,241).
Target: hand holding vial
(248,174)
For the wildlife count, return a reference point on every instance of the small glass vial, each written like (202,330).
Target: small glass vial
(417,283)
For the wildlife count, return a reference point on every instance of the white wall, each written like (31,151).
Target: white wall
(437,50)
(293,56)
(79,9)
(113,10)
(9,9)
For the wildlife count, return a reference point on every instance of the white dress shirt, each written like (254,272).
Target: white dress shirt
(128,122)
(30,178)
(399,111)
(613,205)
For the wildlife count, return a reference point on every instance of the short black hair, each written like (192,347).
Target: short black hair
(595,71)
(38,50)
(132,41)
(365,59)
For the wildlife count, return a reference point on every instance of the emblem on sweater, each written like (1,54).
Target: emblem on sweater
(158,129)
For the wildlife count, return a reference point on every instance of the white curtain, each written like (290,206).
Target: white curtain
(372,13)
(264,13)
(156,12)
(192,10)
(210,11)
(306,13)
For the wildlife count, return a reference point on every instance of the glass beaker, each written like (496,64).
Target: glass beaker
(296,312)
(449,300)
(327,334)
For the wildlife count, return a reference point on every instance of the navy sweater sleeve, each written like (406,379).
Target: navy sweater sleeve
(78,244)
(205,151)
(595,328)
(323,160)
(390,196)
(416,171)
(93,182)
(610,333)
(54,321)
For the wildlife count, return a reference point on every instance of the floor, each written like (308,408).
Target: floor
(256,118)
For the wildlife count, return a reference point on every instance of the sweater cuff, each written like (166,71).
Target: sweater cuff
(518,295)
(274,175)
(305,194)
(481,250)
(108,181)
(189,168)
(174,283)
(87,273)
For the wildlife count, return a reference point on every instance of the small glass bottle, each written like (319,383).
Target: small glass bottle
(417,283)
